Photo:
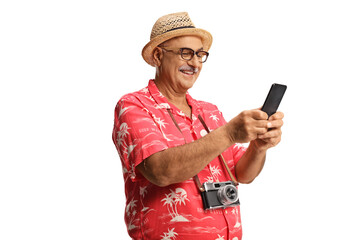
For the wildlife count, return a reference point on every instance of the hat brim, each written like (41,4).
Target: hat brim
(147,52)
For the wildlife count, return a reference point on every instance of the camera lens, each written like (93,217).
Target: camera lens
(228,194)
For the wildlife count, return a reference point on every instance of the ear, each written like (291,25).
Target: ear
(157,56)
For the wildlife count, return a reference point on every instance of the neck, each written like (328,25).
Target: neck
(177,98)
(174,96)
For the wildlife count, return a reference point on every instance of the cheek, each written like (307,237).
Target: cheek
(171,66)
(167,68)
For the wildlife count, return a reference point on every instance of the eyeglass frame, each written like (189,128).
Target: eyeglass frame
(180,52)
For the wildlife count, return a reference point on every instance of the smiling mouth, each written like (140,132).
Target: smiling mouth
(187,72)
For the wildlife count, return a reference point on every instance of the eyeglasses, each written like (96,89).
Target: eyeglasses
(187,54)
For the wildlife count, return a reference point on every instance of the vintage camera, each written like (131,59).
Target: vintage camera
(220,195)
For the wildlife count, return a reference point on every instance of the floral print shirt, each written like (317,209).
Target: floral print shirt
(143,127)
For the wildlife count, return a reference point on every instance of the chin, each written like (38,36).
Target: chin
(189,82)
(190,78)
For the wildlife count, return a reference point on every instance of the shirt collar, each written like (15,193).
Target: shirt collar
(164,103)
(157,95)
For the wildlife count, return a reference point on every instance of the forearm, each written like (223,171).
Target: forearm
(250,164)
(180,163)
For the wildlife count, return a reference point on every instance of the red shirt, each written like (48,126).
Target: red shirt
(143,127)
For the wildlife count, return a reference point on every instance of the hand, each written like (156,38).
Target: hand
(246,126)
(273,136)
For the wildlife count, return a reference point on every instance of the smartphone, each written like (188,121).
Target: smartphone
(273,98)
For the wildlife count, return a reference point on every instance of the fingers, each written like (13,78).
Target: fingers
(275,133)
(270,135)
(259,120)
(275,123)
(259,115)
(260,123)
(251,124)
(254,128)
(260,131)
(277,115)
(257,126)
(254,114)
(274,128)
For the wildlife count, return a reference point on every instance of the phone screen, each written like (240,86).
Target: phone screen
(273,98)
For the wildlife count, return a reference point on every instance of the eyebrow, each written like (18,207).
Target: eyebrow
(200,49)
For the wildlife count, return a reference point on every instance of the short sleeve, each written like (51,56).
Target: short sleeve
(135,134)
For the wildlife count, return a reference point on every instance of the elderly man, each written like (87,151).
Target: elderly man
(177,151)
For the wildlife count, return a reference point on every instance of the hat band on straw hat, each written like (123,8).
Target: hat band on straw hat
(179,28)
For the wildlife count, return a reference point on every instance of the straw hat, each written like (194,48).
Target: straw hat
(170,26)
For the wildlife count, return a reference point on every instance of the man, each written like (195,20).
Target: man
(166,152)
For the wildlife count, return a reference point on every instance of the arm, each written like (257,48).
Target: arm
(180,163)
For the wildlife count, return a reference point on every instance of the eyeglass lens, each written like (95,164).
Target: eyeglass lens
(188,54)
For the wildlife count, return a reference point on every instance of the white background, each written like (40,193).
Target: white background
(64,64)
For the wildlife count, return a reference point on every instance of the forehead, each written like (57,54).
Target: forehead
(185,41)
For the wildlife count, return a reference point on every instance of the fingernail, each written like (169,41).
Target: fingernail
(269,125)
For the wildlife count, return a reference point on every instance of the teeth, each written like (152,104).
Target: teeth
(188,72)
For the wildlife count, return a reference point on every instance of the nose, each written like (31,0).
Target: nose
(195,62)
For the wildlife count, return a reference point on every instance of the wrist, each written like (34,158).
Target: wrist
(228,134)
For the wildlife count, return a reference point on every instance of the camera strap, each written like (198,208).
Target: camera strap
(196,178)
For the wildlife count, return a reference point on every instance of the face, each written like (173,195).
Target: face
(178,73)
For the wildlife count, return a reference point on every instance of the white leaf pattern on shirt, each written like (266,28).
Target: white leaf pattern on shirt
(220,237)
(162,105)
(131,214)
(214,117)
(171,200)
(142,195)
(216,172)
(170,235)
(122,133)
(161,124)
